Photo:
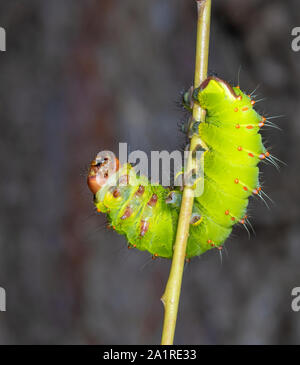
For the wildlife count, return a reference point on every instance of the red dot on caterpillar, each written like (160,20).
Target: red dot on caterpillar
(250,154)
(253,102)
(245,188)
(236,109)
(261,124)
(245,108)
(98,210)
(140,190)
(249,126)
(127,213)
(255,191)
(155,256)
(209,241)
(242,221)
(267,154)
(262,156)
(236,181)
(152,201)
(116,193)
(232,218)
(240,148)
(239,97)
(237,126)
(226,212)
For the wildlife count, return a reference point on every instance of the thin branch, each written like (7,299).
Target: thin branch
(171,295)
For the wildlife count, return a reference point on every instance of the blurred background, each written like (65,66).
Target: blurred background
(81,76)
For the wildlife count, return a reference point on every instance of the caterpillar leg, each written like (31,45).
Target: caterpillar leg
(187,99)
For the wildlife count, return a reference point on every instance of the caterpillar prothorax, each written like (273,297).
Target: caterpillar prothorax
(147,214)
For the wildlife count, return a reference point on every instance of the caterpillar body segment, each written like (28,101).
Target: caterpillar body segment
(139,211)
(235,149)
(147,215)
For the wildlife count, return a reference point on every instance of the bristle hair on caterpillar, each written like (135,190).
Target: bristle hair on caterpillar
(231,147)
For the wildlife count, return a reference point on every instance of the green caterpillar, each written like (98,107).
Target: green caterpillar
(147,215)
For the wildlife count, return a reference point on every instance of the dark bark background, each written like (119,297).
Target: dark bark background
(81,76)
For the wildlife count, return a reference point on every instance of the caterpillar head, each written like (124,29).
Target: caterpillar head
(214,91)
(102,167)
